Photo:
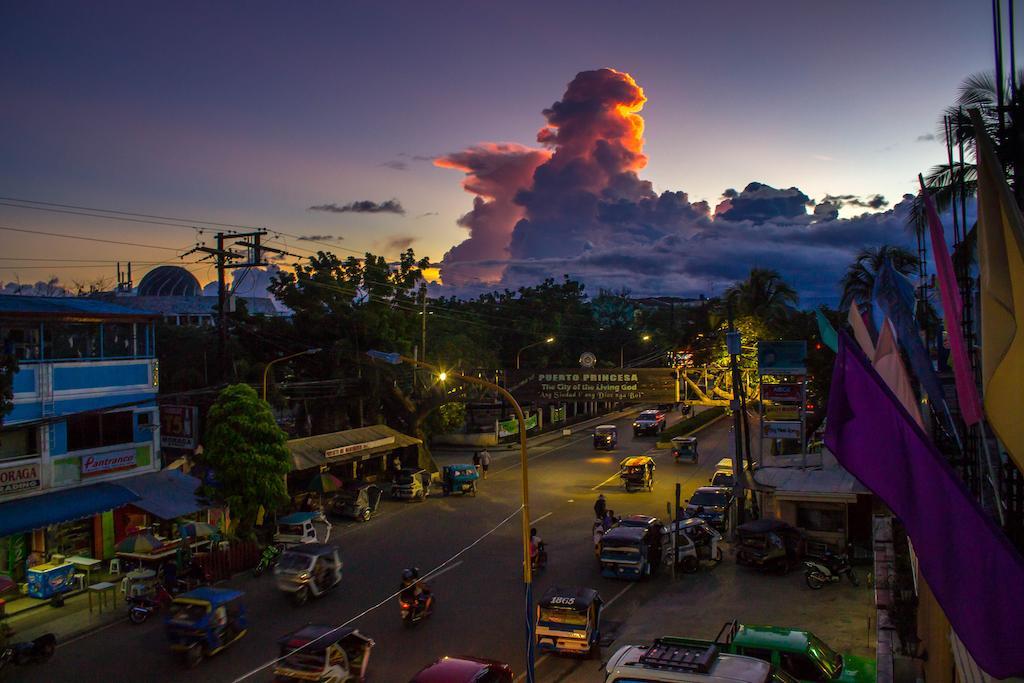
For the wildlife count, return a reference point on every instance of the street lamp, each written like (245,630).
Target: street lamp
(549,340)
(622,350)
(396,359)
(266,370)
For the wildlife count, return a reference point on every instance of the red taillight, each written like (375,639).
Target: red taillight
(406,605)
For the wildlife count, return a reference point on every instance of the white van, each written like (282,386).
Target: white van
(692,661)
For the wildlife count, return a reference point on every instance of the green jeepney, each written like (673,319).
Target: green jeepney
(801,654)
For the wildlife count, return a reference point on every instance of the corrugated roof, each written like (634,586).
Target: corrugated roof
(166,494)
(793,479)
(67,307)
(354,444)
(196,305)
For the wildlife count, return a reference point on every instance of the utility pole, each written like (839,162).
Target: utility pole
(226,258)
(733,344)
(423,323)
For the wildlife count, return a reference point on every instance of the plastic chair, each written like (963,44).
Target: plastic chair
(80,581)
(115,567)
(124,586)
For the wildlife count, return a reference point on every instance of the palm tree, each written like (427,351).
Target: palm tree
(859,280)
(763,295)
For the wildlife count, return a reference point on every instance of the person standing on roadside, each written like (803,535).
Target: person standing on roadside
(600,506)
(476,462)
(485,461)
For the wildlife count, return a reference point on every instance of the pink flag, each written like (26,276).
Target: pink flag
(952,307)
(860,331)
(889,365)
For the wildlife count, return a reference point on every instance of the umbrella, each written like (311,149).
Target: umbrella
(198,529)
(325,482)
(143,542)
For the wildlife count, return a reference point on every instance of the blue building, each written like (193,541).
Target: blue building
(84,417)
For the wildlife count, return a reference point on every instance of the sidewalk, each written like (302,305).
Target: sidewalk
(69,621)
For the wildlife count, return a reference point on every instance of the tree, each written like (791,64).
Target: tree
(763,295)
(859,281)
(246,451)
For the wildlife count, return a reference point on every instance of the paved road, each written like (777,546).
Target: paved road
(479,593)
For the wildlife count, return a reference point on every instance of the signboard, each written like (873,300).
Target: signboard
(19,478)
(557,414)
(100,463)
(782,412)
(782,393)
(780,430)
(356,447)
(631,385)
(510,427)
(782,358)
(178,426)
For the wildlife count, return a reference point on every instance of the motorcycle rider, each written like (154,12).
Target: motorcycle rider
(536,548)
(413,590)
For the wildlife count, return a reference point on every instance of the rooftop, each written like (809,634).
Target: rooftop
(68,308)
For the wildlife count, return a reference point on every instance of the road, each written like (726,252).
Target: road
(479,591)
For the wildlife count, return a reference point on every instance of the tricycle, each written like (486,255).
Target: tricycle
(204,621)
(459,479)
(339,654)
(684,448)
(358,500)
(637,472)
(301,527)
(606,437)
(696,542)
(630,552)
(569,621)
(308,569)
(769,545)
(411,483)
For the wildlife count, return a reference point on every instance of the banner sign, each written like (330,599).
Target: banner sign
(782,393)
(178,426)
(782,358)
(557,414)
(780,430)
(113,461)
(356,447)
(531,422)
(782,412)
(629,385)
(19,478)
(510,427)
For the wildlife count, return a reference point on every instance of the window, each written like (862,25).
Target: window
(18,443)
(95,430)
(829,518)
(72,340)
(800,666)
(20,340)
(118,340)
(760,653)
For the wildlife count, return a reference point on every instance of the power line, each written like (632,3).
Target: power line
(88,239)
(122,213)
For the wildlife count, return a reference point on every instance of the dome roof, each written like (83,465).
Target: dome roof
(169,281)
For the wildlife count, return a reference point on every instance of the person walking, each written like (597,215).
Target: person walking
(476,462)
(485,461)
(600,505)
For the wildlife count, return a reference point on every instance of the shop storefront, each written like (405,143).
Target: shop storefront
(363,453)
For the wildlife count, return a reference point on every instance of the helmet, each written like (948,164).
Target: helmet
(408,574)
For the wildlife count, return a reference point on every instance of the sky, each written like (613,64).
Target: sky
(375,126)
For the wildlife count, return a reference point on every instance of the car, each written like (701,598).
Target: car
(712,504)
(649,422)
(723,475)
(684,660)
(465,669)
(801,654)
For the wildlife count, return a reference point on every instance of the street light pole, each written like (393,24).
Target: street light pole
(622,350)
(395,359)
(266,369)
(549,340)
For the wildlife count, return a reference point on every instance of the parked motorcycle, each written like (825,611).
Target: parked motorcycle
(34,652)
(829,569)
(417,609)
(268,558)
(141,606)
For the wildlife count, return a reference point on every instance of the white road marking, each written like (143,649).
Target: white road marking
(618,595)
(614,476)
(91,632)
(536,664)
(436,574)
(542,517)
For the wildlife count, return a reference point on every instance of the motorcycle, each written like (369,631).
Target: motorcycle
(829,570)
(268,559)
(418,608)
(33,652)
(539,562)
(140,607)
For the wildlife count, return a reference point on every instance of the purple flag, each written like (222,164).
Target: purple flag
(952,306)
(976,575)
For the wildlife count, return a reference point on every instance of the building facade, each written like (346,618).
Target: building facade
(84,417)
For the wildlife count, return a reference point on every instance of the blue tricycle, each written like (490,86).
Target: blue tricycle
(459,479)
(204,621)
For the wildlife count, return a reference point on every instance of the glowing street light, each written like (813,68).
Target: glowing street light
(266,369)
(622,349)
(548,340)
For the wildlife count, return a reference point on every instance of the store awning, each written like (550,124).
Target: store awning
(346,446)
(166,494)
(65,505)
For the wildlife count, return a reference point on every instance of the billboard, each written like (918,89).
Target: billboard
(112,461)
(782,393)
(19,478)
(782,412)
(179,426)
(782,358)
(629,385)
(780,430)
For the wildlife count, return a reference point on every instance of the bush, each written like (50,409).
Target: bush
(689,424)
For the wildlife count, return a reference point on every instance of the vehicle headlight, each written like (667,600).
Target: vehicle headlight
(304,576)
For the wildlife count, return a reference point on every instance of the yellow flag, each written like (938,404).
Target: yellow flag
(1001,261)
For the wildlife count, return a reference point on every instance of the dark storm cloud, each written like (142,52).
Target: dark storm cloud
(398,243)
(759,203)
(730,193)
(926,137)
(396,165)
(874,201)
(362,206)
(419,157)
(319,238)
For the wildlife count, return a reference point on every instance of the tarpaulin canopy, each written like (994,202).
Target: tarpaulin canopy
(66,505)
(166,494)
(351,444)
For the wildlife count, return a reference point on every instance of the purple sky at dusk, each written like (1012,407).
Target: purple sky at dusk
(252,112)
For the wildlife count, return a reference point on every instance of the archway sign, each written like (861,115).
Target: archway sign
(626,385)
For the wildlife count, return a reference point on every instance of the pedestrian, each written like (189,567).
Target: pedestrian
(600,506)
(485,461)
(476,462)
(396,463)
(609,519)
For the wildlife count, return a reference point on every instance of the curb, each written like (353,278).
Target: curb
(664,445)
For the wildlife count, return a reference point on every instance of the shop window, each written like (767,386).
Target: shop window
(95,430)
(118,340)
(828,518)
(20,340)
(18,443)
(72,340)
